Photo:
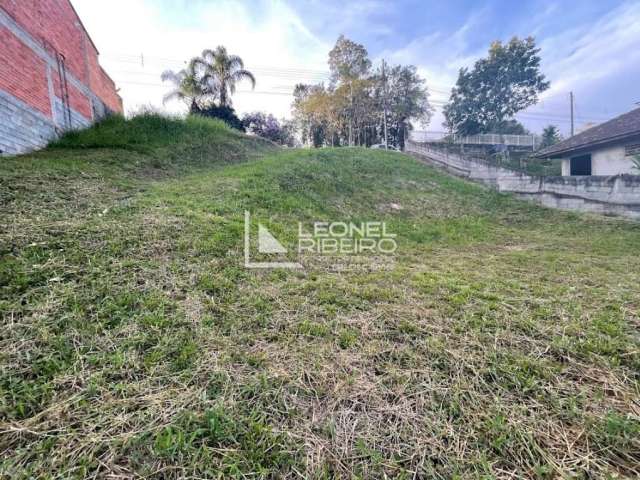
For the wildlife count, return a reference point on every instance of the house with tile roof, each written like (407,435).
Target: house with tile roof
(606,149)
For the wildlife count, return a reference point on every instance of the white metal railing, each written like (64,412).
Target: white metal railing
(530,141)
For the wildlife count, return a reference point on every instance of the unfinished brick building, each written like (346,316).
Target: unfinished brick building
(50,78)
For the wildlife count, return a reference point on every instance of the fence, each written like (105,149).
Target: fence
(521,141)
(614,195)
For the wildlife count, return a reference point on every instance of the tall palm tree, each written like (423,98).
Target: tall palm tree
(221,73)
(189,87)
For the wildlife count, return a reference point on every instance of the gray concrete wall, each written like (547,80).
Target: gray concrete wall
(22,128)
(77,120)
(609,195)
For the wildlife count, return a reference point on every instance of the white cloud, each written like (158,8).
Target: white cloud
(439,56)
(592,59)
(590,52)
(146,41)
(595,60)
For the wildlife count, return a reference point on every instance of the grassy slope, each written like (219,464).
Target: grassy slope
(504,341)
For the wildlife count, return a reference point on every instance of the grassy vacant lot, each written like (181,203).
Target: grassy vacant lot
(503,342)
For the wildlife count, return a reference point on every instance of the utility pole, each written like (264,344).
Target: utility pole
(572,119)
(384,101)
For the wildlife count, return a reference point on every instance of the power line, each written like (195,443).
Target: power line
(150,60)
(157,85)
(529,116)
(539,115)
(295,73)
(304,75)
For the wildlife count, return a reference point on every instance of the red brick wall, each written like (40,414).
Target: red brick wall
(108,93)
(23,74)
(55,25)
(102,85)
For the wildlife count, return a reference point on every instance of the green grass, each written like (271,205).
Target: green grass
(501,341)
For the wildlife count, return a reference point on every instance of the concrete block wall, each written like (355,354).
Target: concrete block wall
(609,195)
(34,35)
(78,120)
(22,128)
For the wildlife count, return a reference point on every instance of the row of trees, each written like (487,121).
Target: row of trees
(362,105)
(351,109)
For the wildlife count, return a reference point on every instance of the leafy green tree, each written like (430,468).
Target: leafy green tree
(509,127)
(350,110)
(550,136)
(506,82)
(407,99)
(349,65)
(348,60)
(221,72)
(309,115)
(188,88)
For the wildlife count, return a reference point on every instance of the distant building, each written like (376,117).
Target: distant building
(50,78)
(586,126)
(606,149)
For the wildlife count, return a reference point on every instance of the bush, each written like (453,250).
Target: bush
(267,126)
(226,114)
(141,132)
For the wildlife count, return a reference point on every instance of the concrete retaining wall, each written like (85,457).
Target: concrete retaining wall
(608,195)
(21,127)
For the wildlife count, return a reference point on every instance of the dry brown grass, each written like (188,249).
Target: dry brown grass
(501,343)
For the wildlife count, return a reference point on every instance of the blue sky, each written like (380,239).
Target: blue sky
(589,47)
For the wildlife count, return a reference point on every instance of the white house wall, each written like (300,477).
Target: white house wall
(605,161)
(611,161)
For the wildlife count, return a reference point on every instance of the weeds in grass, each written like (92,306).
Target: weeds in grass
(503,343)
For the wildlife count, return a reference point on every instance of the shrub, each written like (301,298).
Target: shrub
(224,113)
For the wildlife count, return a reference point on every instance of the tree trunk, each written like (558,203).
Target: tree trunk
(223,94)
(402,135)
